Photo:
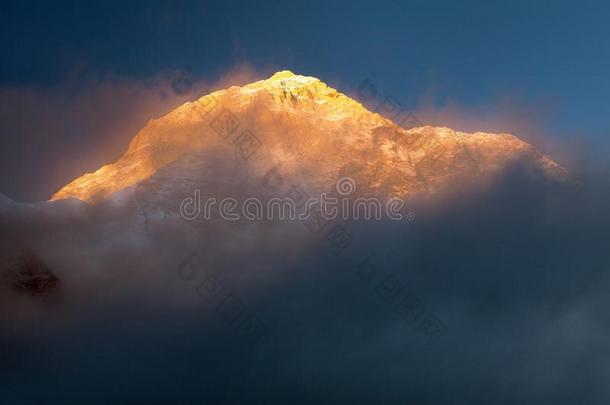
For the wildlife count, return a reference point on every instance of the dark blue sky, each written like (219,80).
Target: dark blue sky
(552,57)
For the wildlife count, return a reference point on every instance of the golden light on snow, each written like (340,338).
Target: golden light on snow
(307,127)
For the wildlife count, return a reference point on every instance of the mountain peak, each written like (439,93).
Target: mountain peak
(284,80)
(282,74)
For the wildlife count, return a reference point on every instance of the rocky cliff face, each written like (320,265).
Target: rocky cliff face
(313,133)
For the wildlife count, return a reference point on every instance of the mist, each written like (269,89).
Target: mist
(513,273)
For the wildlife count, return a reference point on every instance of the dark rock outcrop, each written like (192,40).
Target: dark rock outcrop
(26,273)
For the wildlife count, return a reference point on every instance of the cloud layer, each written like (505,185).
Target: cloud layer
(516,272)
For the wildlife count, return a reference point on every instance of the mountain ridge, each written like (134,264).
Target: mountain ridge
(301,123)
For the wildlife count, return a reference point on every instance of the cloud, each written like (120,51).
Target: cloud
(516,270)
